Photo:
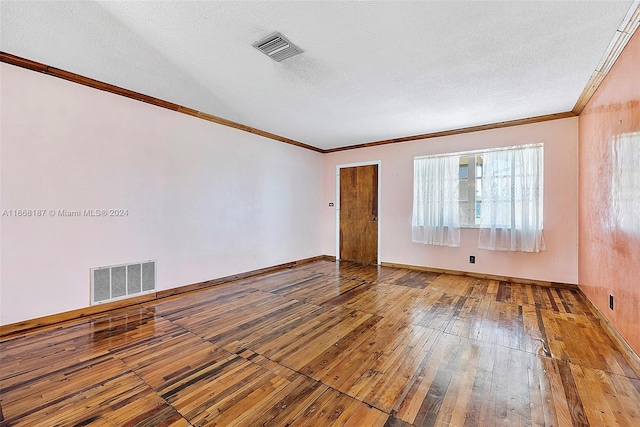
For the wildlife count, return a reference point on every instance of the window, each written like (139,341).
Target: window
(498,191)
(470,190)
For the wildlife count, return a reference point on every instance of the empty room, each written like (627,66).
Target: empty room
(320,213)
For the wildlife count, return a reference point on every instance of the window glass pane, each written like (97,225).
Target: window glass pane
(464,190)
(464,213)
(464,171)
(467,191)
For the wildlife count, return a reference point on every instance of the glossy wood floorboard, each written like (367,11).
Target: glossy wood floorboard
(328,344)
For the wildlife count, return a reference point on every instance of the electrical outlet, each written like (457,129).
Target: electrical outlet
(611,302)
(472,259)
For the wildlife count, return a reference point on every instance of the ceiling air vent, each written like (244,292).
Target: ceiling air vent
(277,47)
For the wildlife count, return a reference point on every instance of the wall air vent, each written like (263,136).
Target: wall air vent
(122,281)
(277,47)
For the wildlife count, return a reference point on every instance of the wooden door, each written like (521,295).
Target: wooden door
(359,214)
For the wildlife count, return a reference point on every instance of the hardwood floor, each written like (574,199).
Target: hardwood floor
(328,344)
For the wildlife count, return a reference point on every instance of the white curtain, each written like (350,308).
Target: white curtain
(436,204)
(511,212)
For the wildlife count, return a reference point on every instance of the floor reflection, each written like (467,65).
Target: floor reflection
(118,324)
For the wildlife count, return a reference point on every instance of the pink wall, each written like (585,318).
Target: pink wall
(558,263)
(204,200)
(609,219)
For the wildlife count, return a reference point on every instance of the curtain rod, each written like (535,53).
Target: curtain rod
(486,150)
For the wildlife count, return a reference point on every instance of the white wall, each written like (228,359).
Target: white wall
(207,201)
(559,263)
(204,200)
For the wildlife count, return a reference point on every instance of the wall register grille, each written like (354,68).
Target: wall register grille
(122,281)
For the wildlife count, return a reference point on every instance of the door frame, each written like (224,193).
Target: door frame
(352,165)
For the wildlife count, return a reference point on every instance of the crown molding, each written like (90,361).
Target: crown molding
(623,34)
(498,125)
(96,84)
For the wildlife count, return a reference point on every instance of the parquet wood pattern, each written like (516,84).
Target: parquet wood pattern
(328,344)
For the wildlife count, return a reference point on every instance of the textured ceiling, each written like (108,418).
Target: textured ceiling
(370,70)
